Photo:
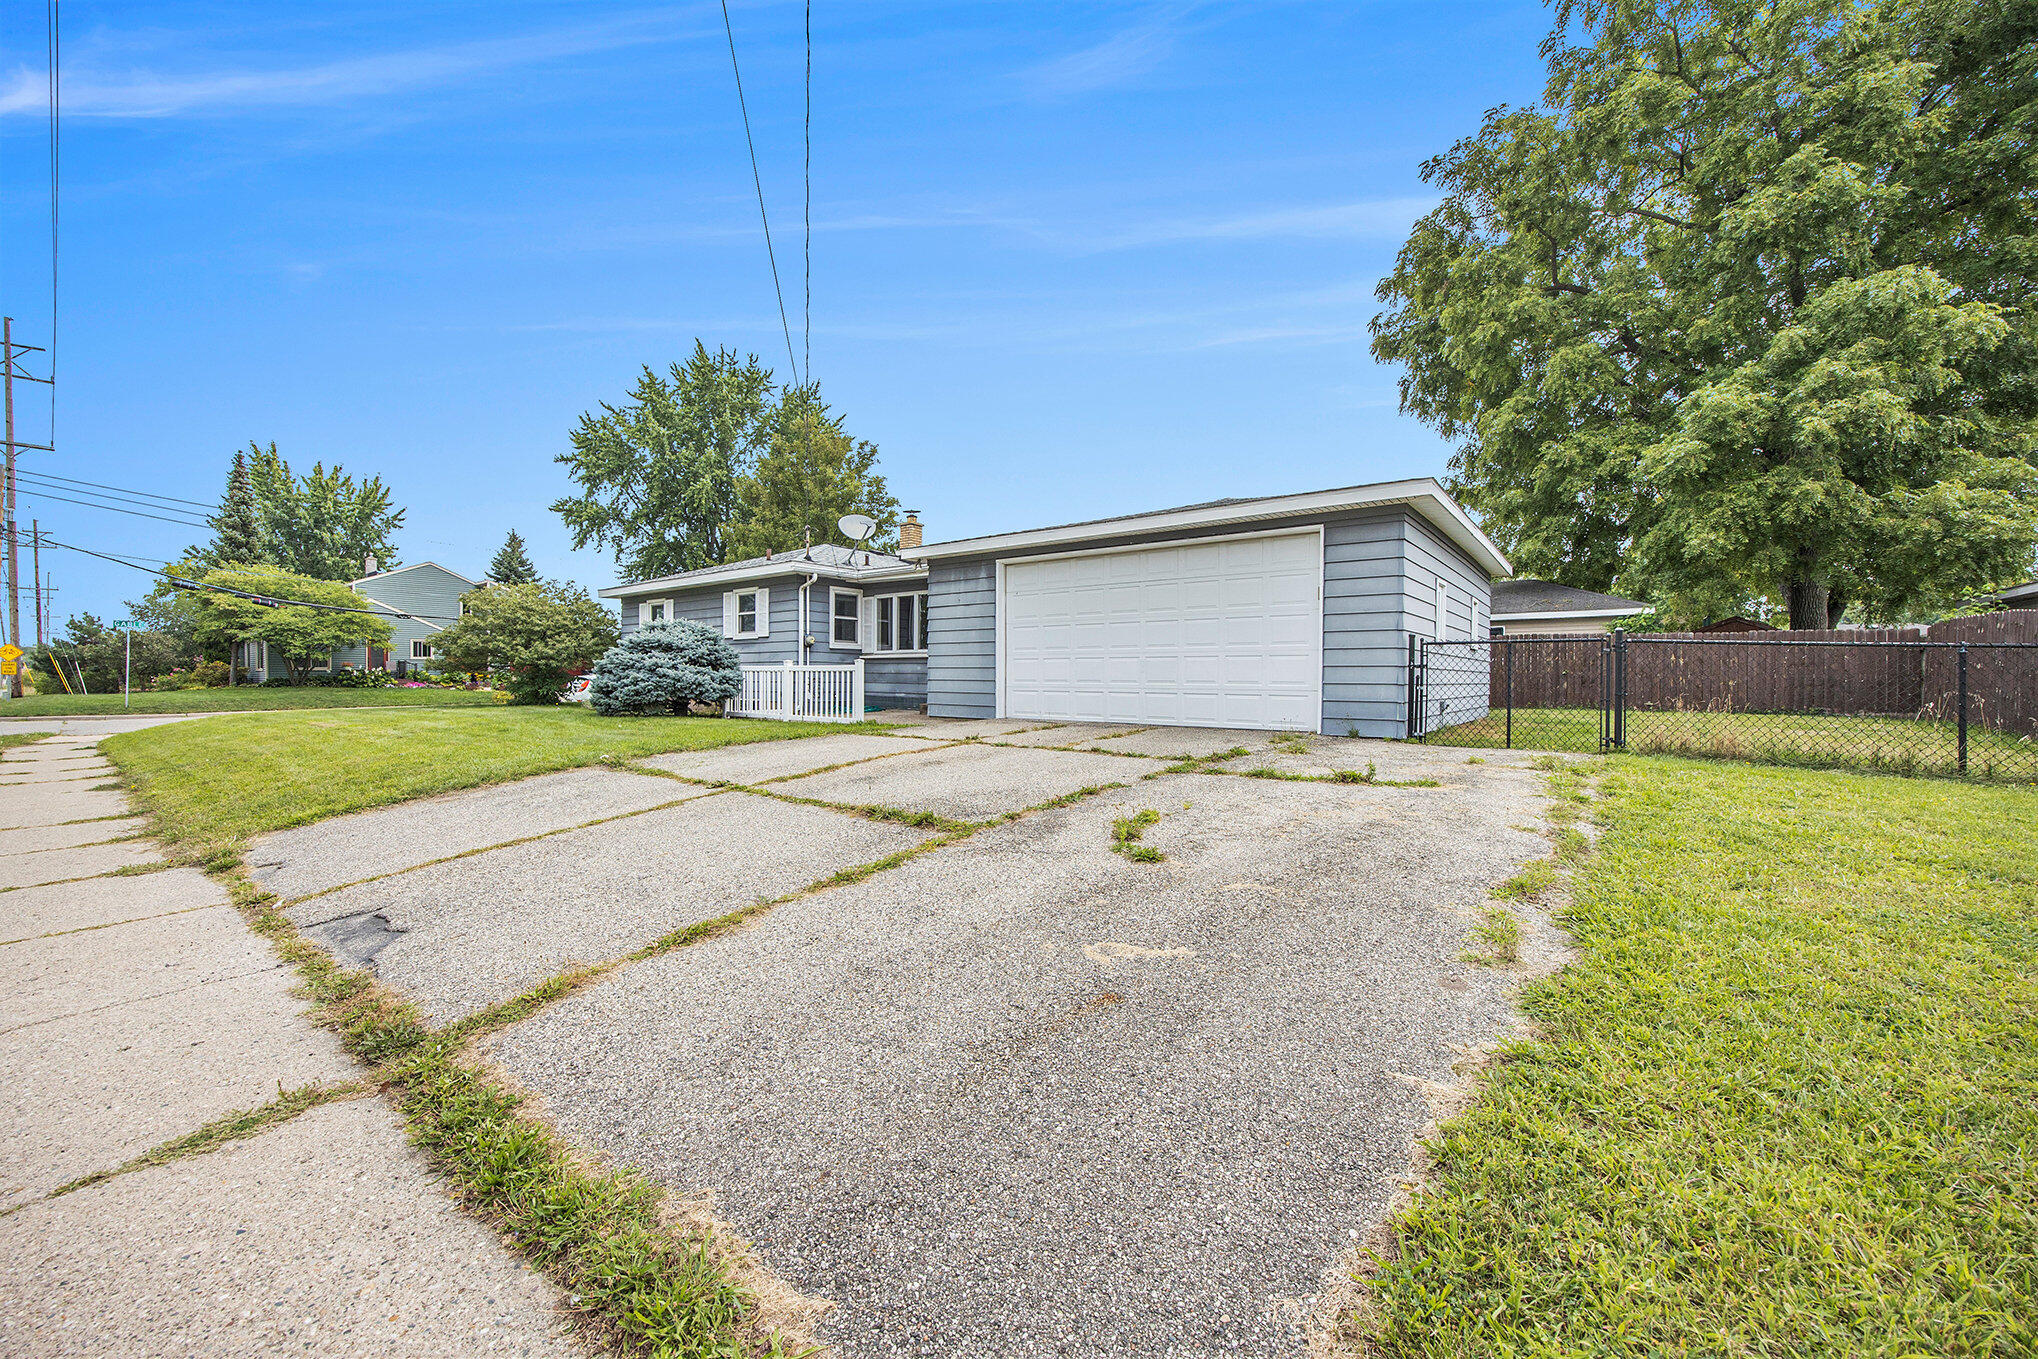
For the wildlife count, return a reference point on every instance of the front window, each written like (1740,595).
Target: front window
(902,623)
(656,611)
(746,612)
(846,605)
(420,649)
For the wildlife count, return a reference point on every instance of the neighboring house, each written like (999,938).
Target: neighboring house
(2023,596)
(426,594)
(1286,612)
(1544,606)
(822,605)
(1737,623)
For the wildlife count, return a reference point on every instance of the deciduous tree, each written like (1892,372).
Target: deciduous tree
(657,475)
(533,637)
(299,617)
(1743,309)
(812,473)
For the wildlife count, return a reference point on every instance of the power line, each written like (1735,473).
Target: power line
(758,179)
(30,488)
(124,490)
(93,504)
(272,601)
(807,179)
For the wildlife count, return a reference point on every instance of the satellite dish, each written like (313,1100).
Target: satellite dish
(858,527)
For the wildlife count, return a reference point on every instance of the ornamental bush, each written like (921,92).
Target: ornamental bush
(666,667)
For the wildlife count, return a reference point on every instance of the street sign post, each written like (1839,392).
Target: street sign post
(128,627)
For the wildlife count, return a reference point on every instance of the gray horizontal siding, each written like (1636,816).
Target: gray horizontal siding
(1364,644)
(962,665)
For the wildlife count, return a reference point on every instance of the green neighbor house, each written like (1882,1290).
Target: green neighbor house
(427,593)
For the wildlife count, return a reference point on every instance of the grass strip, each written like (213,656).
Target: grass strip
(1370,776)
(1784,1101)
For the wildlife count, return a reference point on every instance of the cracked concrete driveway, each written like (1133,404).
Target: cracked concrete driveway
(1016,1094)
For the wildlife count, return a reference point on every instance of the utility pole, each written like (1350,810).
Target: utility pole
(13,533)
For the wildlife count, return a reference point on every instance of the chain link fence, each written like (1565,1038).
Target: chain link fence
(1901,703)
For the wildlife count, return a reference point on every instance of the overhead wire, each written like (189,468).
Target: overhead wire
(757,179)
(55,65)
(41,494)
(273,601)
(122,490)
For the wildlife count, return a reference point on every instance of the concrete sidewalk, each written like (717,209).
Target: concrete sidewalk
(134,1009)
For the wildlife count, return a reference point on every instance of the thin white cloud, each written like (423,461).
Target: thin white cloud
(1118,60)
(94,93)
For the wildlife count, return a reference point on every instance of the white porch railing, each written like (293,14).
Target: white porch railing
(800,693)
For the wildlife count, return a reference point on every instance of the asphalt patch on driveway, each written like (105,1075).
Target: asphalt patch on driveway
(1021,1096)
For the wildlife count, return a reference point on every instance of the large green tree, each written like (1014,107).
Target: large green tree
(1743,309)
(657,475)
(812,473)
(301,617)
(323,523)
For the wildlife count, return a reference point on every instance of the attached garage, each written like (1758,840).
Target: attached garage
(1279,613)
(1218,632)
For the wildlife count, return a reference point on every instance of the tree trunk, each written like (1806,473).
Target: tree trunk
(1807,598)
(1836,608)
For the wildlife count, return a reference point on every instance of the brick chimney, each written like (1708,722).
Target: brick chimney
(909,531)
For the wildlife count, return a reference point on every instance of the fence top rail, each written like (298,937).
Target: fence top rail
(1645,639)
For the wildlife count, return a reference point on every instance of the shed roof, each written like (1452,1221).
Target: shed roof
(1546,599)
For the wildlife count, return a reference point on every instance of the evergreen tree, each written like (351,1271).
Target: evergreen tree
(236,529)
(512,565)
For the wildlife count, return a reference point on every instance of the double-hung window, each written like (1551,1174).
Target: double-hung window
(420,649)
(845,615)
(746,613)
(901,623)
(654,611)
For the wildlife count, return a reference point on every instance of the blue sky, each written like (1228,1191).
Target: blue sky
(1069,260)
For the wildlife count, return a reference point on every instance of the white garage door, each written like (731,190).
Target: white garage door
(1226,633)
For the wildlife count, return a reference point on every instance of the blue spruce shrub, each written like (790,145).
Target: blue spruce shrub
(664,668)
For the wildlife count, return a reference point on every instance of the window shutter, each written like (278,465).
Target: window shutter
(763,612)
(866,631)
(729,613)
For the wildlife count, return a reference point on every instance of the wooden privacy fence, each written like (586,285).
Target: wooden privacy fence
(1889,672)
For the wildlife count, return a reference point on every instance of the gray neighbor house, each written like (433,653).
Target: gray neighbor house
(427,593)
(1290,612)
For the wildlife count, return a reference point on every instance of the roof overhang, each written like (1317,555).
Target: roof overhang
(749,571)
(1424,495)
(1572,613)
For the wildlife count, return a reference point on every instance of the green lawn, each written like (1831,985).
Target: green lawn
(1883,744)
(1785,1101)
(245,698)
(225,777)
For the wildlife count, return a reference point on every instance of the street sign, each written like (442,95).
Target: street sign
(127,625)
(10,652)
(10,667)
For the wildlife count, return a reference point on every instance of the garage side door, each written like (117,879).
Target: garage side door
(1218,634)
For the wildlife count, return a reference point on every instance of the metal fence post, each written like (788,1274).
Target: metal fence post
(1414,701)
(1509,645)
(1963,707)
(1620,689)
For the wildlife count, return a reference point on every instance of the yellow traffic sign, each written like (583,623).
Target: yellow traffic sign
(10,667)
(10,652)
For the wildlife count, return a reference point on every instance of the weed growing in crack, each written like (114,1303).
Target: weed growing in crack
(1501,933)
(1126,832)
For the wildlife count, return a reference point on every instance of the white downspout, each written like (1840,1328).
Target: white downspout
(806,618)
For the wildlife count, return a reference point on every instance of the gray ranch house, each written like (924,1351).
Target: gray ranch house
(426,593)
(1291,612)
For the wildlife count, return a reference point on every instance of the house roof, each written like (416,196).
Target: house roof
(1514,599)
(2027,593)
(1424,495)
(399,570)
(822,559)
